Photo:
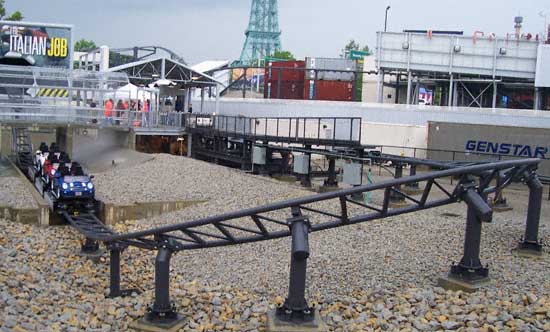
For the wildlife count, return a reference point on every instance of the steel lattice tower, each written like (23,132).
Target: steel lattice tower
(263,36)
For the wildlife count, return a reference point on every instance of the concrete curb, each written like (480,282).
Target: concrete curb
(42,213)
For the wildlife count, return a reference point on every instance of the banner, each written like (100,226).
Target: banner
(41,45)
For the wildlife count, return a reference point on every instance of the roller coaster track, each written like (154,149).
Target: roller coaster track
(256,224)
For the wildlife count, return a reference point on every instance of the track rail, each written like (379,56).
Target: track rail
(259,223)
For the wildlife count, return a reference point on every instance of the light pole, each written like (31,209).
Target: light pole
(386,19)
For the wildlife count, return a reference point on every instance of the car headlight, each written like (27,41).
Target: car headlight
(71,184)
(65,186)
(90,185)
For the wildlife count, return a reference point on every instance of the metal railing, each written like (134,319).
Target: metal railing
(288,129)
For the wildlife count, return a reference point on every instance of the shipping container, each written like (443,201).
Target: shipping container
(288,90)
(329,90)
(325,65)
(293,71)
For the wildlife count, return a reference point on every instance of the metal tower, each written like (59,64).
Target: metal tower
(263,36)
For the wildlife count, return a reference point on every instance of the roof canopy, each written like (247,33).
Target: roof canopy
(148,71)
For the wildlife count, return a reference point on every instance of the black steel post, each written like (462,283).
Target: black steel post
(331,179)
(396,197)
(306,178)
(531,240)
(163,312)
(414,185)
(295,309)
(470,269)
(114,263)
(359,196)
(499,202)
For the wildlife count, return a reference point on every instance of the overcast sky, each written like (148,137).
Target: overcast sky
(214,29)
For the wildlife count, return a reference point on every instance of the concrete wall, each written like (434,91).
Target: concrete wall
(472,140)
(381,113)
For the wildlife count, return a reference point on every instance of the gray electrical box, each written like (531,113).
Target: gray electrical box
(352,173)
(301,164)
(259,155)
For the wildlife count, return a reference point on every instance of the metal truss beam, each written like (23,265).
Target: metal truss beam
(258,224)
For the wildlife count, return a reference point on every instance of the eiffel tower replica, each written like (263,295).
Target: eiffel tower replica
(263,36)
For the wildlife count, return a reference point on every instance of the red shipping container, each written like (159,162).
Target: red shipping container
(293,71)
(289,90)
(329,90)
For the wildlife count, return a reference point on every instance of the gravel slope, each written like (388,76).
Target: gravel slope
(14,193)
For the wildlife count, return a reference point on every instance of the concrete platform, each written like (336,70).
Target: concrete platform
(454,284)
(143,325)
(276,325)
(527,253)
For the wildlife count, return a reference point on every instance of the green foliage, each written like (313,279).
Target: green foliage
(117,59)
(16,16)
(2,9)
(84,45)
(352,45)
(284,55)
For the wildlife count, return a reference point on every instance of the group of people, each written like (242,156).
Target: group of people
(114,114)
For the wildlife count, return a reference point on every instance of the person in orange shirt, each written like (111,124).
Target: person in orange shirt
(108,112)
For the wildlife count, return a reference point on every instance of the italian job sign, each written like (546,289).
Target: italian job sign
(42,45)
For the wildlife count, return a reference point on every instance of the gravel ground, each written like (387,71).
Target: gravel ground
(14,193)
(372,276)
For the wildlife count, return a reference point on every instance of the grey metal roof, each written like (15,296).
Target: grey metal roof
(150,70)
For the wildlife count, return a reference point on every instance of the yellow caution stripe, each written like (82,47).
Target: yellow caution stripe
(53,93)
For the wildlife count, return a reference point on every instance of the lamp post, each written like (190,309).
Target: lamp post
(386,19)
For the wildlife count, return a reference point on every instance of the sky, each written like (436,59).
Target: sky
(201,30)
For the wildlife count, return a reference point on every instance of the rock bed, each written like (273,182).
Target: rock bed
(373,276)
(14,193)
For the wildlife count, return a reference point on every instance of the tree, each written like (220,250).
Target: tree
(352,45)
(2,9)
(16,16)
(284,55)
(84,45)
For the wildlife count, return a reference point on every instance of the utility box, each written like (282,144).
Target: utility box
(352,174)
(259,155)
(301,164)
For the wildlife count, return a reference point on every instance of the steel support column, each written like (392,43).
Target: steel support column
(409,88)
(162,315)
(395,197)
(331,179)
(499,202)
(450,95)
(380,92)
(114,264)
(414,185)
(536,100)
(495,94)
(295,309)
(306,178)
(470,273)
(531,244)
